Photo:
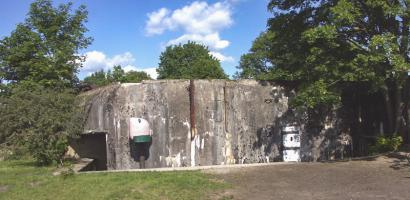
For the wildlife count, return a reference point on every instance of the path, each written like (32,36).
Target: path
(381,178)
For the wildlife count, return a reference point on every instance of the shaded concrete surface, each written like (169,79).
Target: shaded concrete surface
(379,178)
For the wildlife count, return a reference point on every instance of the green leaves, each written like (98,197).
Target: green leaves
(135,77)
(255,63)
(189,61)
(327,33)
(316,93)
(345,13)
(386,144)
(101,78)
(39,61)
(44,49)
(98,78)
(319,43)
(39,119)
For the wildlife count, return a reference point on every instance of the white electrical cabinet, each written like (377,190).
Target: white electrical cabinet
(291,144)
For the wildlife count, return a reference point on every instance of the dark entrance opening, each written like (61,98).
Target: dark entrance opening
(92,145)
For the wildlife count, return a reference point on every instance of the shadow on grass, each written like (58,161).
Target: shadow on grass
(22,163)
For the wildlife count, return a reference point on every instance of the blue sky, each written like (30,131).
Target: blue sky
(134,33)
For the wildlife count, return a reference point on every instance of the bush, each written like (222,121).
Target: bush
(13,152)
(40,120)
(386,144)
(189,61)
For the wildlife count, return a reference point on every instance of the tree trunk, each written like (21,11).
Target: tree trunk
(404,46)
(398,105)
(389,112)
(406,115)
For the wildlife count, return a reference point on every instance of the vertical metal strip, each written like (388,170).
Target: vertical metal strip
(225,109)
(192,107)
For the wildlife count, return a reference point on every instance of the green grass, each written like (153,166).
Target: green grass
(23,180)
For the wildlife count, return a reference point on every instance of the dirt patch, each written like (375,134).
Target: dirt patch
(381,178)
(4,188)
(35,184)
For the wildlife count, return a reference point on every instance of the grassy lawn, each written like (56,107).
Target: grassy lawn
(22,180)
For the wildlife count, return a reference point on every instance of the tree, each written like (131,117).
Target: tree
(189,61)
(101,78)
(44,49)
(38,66)
(40,120)
(328,46)
(254,64)
(117,74)
(135,77)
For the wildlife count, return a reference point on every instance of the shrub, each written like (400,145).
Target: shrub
(40,120)
(386,144)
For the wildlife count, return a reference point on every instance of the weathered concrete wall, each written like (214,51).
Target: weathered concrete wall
(236,122)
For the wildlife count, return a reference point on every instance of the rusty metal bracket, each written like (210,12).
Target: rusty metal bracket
(192,108)
(225,108)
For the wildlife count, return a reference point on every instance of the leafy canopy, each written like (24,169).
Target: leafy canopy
(101,78)
(44,49)
(98,78)
(40,120)
(38,66)
(326,45)
(254,64)
(189,61)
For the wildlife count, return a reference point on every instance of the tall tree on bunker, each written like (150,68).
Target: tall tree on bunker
(101,78)
(255,64)
(328,46)
(135,77)
(117,74)
(44,49)
(189,61)
(98,78)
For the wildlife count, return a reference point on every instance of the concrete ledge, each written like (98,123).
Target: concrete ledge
(80,165)
(168,169)
(84,164)
(400,155)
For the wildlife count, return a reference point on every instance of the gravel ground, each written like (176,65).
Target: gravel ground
(378,178)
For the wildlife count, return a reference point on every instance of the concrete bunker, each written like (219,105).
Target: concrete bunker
(203,122)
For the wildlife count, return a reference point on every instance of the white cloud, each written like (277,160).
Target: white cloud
(211,40)
(199,21)
(152,71)
(96,60)
(222,57)
(121,59)
(155,19)
(196,18)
